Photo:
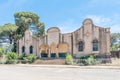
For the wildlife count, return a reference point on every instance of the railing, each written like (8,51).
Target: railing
(115,54)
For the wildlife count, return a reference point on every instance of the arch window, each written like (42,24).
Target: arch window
(95,45)
(23,49)
(80,46)
(31,49)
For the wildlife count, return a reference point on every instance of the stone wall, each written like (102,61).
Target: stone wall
(56,42)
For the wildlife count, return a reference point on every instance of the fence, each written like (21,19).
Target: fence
(115,54)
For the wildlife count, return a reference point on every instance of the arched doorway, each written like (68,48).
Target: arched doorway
(62,50)
(44,51)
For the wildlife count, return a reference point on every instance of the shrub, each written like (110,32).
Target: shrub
(31,58)
(11,57)
(68,59)
(3,59)
(22,56)
(1,52)
(89,59)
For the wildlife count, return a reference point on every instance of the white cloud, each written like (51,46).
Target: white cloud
(100,20)
(112,22)
(68,26)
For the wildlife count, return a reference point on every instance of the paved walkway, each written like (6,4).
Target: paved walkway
(57,72)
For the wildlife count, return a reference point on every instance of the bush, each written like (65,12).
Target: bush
(89,59)
(11,57)
(1,52)
(3,59)
(31,58)
(22,56)
(69,59)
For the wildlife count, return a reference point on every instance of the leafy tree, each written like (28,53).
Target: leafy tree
(115,38)
(115,41)
(8,30)
(1,31)
(115,47)
(25,19)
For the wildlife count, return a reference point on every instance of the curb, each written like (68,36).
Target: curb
(64,66)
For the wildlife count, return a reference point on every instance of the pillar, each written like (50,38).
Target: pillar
(57,56)
(48,53)
(39,54)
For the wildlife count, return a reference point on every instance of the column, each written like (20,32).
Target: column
(48,53)
(57,56)
(39,54)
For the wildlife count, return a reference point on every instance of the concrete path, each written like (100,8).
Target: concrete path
(56,72)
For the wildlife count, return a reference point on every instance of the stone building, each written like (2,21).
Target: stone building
(88,39)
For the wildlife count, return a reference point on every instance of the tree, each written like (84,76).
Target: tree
(114,38)
(25,19)
(9,30)
(40,29)
(115,41)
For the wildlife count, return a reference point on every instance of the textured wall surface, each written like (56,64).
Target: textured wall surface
(56,42)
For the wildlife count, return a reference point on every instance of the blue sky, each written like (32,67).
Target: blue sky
(68,15)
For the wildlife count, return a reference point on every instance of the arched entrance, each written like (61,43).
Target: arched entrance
(62,50)
(44,51)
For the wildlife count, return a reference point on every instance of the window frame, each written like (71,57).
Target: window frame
(95,45)
(23,49)
(80,46)
(31,49)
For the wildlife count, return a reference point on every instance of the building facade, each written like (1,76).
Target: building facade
(88,39)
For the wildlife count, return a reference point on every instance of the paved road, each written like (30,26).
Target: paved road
(47,73)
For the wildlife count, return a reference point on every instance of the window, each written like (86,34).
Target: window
(80,46)
(95,45)
(23,49)
(62,55)
(53,55)
(31,49)
(44,55)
